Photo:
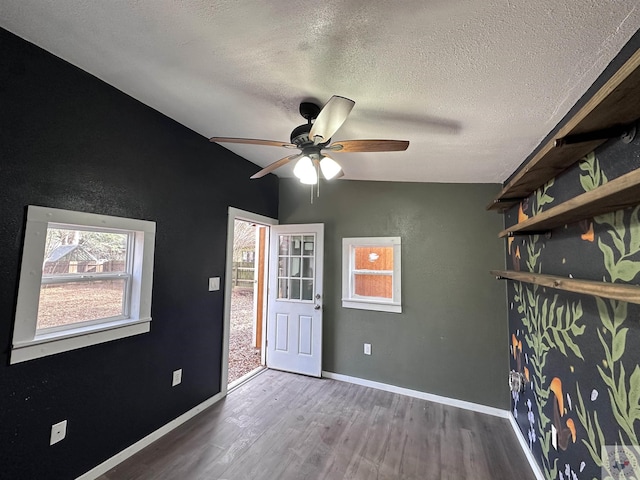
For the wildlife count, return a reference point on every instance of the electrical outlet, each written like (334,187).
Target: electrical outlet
(214,284)
(58,432)
(367,349)
(177,377)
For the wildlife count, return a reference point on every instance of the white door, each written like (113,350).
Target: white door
(294,310)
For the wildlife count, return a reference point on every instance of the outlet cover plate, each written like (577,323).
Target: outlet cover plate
(367,349)
(58,432)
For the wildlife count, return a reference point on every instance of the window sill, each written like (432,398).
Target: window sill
(66,340)
(372,305)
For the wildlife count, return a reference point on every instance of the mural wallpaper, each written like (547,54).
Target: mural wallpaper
(579,354)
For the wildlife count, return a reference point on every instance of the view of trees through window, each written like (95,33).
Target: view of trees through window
(78,282)
(103,246)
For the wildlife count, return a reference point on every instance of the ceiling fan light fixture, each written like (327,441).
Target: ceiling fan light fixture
(329,167)
(309,178)
(304,167)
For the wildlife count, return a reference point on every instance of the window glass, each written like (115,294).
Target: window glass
(373,258)
(85,277)
(80,251)
(371,273)
(296,260)
(307,289)
(73,302)
(374,285)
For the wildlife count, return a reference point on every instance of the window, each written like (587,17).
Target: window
(371,273)
(85,279)
(296,262)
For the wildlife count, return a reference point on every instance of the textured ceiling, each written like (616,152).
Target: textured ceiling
(473,84)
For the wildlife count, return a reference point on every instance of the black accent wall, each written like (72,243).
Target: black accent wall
(68,140)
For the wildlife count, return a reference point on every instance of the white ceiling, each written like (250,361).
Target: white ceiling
(473,84)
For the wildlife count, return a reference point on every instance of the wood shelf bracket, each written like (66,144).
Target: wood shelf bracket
(522,233)
(625,132)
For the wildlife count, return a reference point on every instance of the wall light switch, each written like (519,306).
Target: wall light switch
(367,349)
(58,432)
(177,377)
(214,284)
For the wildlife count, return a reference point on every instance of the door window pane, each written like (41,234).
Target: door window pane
(307,267)
(309,245)
(295,261)
(284,244)
(296,245)
(295,266)
(283,290)
(295,290)
(283,267)
(307,289)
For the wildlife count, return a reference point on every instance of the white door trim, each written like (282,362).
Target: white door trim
(234,214)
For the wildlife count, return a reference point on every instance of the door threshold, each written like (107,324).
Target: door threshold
(245,378)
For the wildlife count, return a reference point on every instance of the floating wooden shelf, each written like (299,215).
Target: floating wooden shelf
(619,193)
(626,293)
(616,103)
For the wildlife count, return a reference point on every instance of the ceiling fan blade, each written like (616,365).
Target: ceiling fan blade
(252,141)
(330,119)
(369,146)
(276,164)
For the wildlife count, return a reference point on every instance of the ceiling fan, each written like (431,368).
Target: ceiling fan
(313,140)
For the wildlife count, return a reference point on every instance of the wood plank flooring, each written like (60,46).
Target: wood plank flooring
(284,426)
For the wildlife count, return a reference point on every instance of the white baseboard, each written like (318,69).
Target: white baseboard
(535,468)
(120,457)
(476,407)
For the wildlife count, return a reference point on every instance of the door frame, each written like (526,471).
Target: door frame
(236,214)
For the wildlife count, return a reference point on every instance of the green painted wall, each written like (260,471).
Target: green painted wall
(450,339)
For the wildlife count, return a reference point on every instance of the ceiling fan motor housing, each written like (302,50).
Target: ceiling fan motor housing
(300,134)
(300,137)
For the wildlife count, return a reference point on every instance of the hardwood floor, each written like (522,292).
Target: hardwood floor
(284,426)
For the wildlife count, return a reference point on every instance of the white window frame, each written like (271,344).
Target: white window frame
(349,297)
(29,343)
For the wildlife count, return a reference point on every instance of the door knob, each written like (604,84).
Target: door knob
(317,307)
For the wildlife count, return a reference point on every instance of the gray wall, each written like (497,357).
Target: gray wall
(450,339)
